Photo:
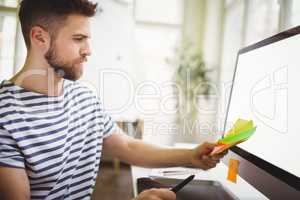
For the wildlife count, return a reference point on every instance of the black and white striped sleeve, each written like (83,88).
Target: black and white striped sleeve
(109,124)
(10,154)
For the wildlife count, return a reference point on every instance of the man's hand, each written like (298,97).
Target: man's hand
(156,194)
(202,159)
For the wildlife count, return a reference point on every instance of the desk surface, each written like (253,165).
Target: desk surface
(241,189)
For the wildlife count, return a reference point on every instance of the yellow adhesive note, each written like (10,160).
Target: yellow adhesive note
(239,126)
(233,170)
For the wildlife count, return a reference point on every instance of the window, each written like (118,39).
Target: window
(232,42)
(295,13)
(8,27)
(245,23)
(7,45)
(263,20)
(158,29)
(232,36)
(155,11)
(9,3)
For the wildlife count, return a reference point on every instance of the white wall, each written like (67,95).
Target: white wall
(112,46)
(158,31)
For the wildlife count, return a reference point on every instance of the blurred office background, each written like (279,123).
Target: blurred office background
(132,41)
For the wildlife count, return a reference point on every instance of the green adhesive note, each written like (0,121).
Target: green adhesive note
(238,137)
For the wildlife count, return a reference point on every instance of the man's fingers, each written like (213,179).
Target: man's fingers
(220,155)
(203,165)
(202,158)
(209,145)
(215,159)
(224,153)
(156,194)
(205,149)
(164,194)
(211,159)
(209,162)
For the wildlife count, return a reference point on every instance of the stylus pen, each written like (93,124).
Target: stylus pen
(180,185)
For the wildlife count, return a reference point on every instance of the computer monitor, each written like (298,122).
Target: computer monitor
(266,89)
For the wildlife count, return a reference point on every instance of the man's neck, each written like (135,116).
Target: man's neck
(41,79)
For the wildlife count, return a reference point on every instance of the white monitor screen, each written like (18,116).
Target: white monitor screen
(267,90)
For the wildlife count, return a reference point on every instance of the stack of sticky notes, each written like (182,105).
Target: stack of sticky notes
(241,131)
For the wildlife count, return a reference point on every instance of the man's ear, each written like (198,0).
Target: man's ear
(40,38)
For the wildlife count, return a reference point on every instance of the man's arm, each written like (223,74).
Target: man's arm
(137,152)
(14,184)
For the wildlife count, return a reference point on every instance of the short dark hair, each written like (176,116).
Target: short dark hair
(51,14)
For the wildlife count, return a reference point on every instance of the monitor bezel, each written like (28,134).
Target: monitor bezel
(267,178)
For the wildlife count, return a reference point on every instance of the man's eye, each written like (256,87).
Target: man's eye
(78,39)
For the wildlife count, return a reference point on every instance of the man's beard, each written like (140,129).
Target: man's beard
(62,69)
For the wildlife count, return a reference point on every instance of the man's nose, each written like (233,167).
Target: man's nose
(86,50)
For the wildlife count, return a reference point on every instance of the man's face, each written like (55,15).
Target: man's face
(70,49)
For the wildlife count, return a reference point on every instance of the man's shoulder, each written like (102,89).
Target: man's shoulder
(5,86)
(80,87)
(6,93)
(8,102)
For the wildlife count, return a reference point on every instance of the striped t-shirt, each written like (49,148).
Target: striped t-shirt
(57,140)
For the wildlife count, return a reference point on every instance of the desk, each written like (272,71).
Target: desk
(242,189)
